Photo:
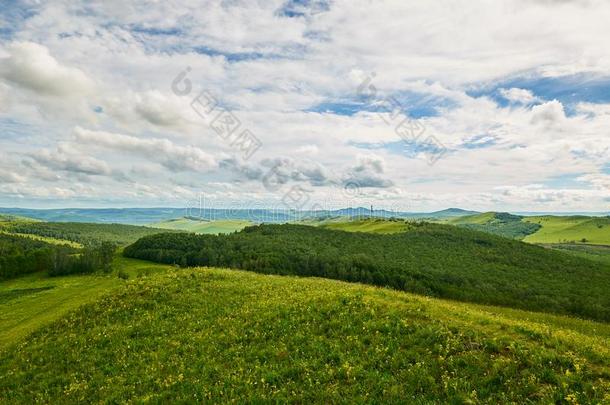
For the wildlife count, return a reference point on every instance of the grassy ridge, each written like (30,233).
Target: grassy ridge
(205,335)
(202,227)
(82,233)
(438,260)
(382,226)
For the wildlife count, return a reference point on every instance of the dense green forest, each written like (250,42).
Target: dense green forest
(431,259)
(22,255)
(85,233)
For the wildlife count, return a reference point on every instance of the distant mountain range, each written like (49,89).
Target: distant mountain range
(141,216)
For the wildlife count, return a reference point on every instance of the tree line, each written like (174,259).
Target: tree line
(21,255)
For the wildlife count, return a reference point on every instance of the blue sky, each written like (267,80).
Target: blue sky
(406,105)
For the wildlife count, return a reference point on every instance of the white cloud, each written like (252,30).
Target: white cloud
(516,95)
(173,157)
(550,113)
(65,158)
(31,66)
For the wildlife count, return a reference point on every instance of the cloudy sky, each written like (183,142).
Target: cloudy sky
(412,105)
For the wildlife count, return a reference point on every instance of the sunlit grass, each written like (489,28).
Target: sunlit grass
(192,335)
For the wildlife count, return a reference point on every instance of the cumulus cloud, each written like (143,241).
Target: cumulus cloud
(173,157)
(70,160)
(368,173)
(30,66)
(549,113)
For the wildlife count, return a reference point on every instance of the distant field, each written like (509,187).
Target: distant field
(576,229)
(381,226)
(497,223)
(211,335)
(202,227)
(77,232)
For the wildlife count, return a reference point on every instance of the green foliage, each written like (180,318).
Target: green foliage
(88,260)
(221,336)
(598,253)
(20,256)
(432,259)
(85,233)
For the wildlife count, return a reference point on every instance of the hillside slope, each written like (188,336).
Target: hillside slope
(497,223)
(372,225)
(195,335)
(202,227)
(431,259)
(574,229)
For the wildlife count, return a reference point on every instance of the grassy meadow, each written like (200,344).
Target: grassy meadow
(203,334)
(202,227)
(576,229)
(374,225)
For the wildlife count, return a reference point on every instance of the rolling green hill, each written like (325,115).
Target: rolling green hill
(546,229)
(372,225)
(432,259)
(210,335)
(497,223)
(575,229)
(202,227)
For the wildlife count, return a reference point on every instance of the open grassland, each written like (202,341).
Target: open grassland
(202,227)
(576,229)
(28,302)
(188,335)
(372,225)
(475,219)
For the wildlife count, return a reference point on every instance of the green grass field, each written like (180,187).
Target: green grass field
(374,225)
(28,302)
(570,229)
(202,227)
(187,335)
(476,219)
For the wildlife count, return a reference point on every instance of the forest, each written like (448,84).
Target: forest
(22,255)
(431,259)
